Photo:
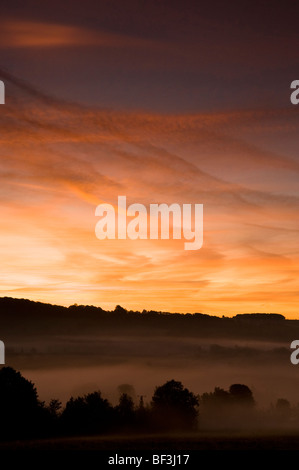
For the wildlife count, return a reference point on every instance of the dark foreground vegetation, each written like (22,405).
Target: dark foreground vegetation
(171,417)
(173,410)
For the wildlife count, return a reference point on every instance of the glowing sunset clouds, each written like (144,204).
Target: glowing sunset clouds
(163,104)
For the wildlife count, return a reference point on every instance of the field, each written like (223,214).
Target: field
(162,443)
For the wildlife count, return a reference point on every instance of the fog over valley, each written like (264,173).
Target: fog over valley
(76,350)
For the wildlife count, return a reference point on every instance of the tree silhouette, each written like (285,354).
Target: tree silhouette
(241,395)
(283,405)
(227,409)
(282,410)
(88,414)
(125,412)
(54,407)
(20,409)
(238,394)
(128,389)
(216,399)
(174,407)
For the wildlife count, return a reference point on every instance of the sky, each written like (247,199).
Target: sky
(164,102)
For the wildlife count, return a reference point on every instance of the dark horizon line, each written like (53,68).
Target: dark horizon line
(120,309)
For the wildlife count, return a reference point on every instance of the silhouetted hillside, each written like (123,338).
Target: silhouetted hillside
(84,344)
(27,318)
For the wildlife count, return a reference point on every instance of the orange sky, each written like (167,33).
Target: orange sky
(60,160)
(163,104)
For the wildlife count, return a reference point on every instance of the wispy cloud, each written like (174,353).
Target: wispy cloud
(37,34)
(59,160)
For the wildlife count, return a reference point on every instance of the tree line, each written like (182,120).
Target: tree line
(172,408)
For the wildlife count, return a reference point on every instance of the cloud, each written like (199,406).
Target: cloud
(37,34)
(60,160)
